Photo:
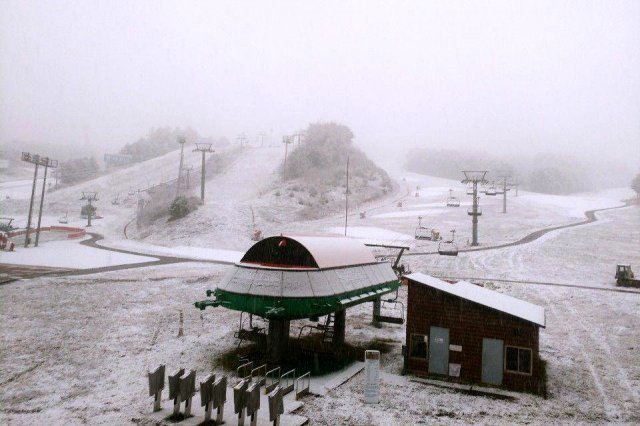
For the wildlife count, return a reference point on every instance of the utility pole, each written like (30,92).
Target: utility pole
(242,139)
(262,135)
(181,141)
(38,161)
(52,164)
(188,170)
(286,140)
(89,197)
(474,177)
(346,201)
(203,148)
(139,210)
(516,184)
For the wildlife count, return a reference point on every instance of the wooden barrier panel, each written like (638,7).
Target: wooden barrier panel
(220,397)
(206,395)
(187,390)
(174,389)
(253,402)
(156,384)
(240,400)
(276,405)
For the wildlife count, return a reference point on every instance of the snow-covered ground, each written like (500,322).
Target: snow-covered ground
(76,349)
(68,254)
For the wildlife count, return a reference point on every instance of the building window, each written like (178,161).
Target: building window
(517,360)
(418,346)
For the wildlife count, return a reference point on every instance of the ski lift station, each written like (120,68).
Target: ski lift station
(285,278)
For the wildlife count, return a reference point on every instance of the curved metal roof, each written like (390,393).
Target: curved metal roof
(321,252)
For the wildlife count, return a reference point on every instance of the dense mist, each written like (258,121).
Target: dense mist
(508,77)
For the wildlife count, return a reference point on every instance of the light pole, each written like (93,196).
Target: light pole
(181,141)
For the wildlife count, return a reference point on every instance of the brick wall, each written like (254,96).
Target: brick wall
(468,324)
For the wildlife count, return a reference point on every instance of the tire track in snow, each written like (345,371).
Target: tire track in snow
(612,411)
(601,342)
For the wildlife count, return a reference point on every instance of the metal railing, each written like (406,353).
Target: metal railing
(302,385)
(287,381)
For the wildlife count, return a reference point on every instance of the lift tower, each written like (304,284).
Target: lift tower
(89,197)
(474,177)
(505,188)
(204,148)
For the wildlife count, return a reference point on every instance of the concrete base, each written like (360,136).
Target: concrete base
(278,339)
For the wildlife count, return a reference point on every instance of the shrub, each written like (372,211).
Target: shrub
(182,206)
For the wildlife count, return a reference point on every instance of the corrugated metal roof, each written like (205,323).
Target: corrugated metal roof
(334,252)
(492,299)
(257,281)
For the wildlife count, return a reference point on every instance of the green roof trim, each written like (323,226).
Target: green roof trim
(291,308)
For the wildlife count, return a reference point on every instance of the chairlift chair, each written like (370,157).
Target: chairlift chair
(423,233)
(491,191)
(391,319)
(63,219)
(448,248)
(452,201)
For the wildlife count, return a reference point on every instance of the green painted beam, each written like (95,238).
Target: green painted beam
(291,308)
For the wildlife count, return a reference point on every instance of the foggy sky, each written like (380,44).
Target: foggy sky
(502,76)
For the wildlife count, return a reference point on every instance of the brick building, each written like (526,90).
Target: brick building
(464,332)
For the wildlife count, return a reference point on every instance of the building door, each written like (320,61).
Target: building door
(439,350)
(492,363)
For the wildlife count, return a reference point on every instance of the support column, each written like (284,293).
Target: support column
(278,339)
(376,313)
(474,222)
(44,185)
(339,327)
(33,194)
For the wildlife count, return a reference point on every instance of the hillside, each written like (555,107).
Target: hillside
(314,180)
